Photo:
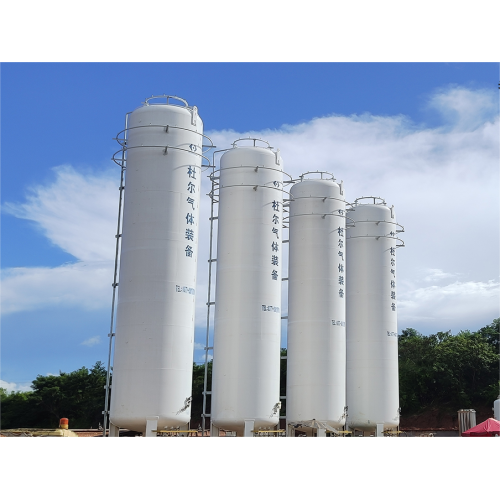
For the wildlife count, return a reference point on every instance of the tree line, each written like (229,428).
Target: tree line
(78,396)
(439,370)
(450,371)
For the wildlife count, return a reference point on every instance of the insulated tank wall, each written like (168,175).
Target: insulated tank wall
(316,303)
(247,322)
(496,409)
(371,319)
(153,360)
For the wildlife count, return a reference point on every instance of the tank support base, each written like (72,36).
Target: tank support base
(151,426)
(249,428)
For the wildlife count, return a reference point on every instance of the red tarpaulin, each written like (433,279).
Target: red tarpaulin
(490,427)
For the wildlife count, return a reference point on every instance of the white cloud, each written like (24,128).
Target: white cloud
(92,341)
(199,353)
(77,212)
(436,275)
(454,306)
(84,284)
(443,182)
(13,387)
(464,110)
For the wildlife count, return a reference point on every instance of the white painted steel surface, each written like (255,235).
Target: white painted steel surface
(466,420)
(246,369)
(316,349)
(371,317)
(153,360)
(496,409)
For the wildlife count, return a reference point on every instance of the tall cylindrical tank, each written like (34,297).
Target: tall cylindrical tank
(371,317)
(496,409)
(153,359)
(316,303)
(247,321)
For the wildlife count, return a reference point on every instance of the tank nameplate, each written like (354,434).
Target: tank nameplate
(271,308)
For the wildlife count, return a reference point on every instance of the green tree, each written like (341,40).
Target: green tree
(197,401)
(283,367)
(467,365)
(450,370)
(17,409)
(78,396)
(416,376)
(491,333)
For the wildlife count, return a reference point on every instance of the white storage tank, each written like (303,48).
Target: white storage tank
(247,321)
(153,359)
(371,319)
(496,409)
(316,349)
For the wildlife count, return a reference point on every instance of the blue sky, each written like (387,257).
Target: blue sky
(422,135)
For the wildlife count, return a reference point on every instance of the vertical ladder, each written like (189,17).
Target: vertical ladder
(121,162)
(210,302)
